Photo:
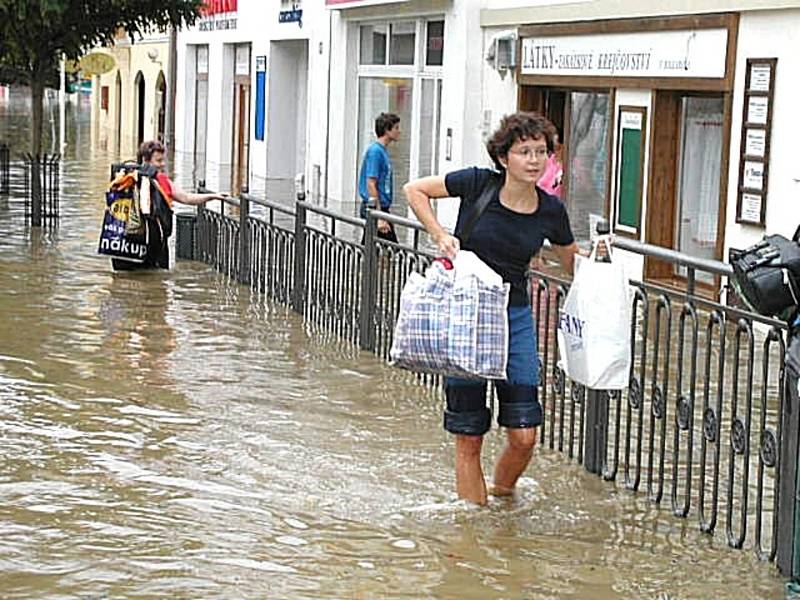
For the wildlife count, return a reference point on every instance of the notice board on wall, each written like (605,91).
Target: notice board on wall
(759,89)
(631,134)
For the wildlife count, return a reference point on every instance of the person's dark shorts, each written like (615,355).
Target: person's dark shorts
(518,396)
(390,235)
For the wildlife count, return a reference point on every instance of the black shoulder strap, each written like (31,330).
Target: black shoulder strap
(489,190)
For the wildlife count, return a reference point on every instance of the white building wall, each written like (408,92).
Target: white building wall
(767,35)
(257,24)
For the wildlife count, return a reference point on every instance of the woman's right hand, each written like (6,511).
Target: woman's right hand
(448,245)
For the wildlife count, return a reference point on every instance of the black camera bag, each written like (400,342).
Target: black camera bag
(767,275)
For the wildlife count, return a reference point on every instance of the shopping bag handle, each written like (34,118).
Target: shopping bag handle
(606,241)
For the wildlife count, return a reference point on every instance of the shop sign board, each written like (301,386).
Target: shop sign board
(215,7)
(218,15)
(96,63)
(683,53)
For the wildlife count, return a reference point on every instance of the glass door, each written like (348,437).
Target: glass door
(699,178)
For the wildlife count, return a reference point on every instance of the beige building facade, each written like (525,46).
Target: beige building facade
(129,101)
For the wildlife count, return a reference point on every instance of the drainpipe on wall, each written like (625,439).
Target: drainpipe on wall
(172,79)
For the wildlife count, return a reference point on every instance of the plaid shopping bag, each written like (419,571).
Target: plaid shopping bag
(455,326)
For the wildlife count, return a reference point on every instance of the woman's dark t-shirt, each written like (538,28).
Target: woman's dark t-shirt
(504,239)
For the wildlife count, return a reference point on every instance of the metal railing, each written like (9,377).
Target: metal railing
(42,188)
(703,426)
(700,424)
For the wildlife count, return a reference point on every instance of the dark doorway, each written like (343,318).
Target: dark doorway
(140,96)
(161,106)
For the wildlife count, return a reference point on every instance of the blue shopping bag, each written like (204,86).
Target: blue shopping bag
(125,231)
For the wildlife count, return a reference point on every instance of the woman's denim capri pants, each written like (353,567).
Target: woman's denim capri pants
(518,395)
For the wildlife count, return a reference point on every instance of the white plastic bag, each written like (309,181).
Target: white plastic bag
(594,324)
(453,321)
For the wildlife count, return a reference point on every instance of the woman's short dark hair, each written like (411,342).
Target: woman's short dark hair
(384,122)
(515,127)
(147,149)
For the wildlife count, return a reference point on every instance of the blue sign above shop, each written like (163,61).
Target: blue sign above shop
(290,16)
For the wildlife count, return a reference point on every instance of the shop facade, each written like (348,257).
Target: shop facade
(411,58)
(676,128)
(251,83)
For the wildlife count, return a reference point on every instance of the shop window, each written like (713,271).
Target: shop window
(383,94)
(373,44)
(395,41)
(699,177)
(400,62)
(104,98)
(587,162)
(434,43)
(401,43)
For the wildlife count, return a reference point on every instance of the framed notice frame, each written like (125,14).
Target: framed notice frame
(631,136)
(759,89)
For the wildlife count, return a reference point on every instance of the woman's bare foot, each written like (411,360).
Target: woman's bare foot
(499,491)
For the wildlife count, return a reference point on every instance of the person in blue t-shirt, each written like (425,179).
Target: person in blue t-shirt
(510,231)
(375,178)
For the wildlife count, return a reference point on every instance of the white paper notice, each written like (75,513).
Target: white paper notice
(753,175)
(757,110)
(751,208)
(759,78)
(755,142)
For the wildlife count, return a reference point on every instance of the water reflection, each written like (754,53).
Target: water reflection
(170,434)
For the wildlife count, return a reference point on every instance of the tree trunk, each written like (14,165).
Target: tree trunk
(37,96)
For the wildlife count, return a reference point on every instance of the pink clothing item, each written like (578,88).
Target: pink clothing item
(550,181)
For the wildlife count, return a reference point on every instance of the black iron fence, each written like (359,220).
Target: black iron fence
(42,188)
(5,174)
(700,425)
(705,425)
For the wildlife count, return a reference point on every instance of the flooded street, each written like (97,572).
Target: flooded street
(173,435)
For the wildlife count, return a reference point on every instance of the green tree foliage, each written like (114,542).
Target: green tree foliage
(35,33)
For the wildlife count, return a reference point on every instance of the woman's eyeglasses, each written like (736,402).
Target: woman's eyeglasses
(529,153)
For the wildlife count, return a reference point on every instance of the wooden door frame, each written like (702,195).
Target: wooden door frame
(666,124)
(241,88)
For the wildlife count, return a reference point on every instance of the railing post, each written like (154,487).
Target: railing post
(4,169)
(788,528)
(299,291)
(36,190)
(596,430)
(368,276)
(244,237)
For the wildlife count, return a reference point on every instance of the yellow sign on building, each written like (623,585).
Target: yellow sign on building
(96,63)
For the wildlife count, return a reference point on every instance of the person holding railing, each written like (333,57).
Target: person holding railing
(160,198)
(515,219)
